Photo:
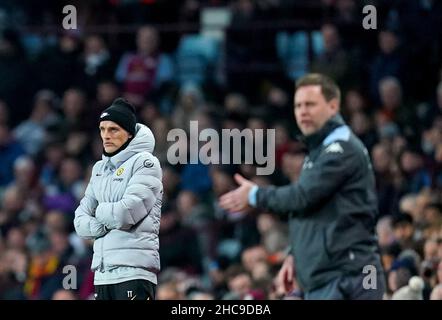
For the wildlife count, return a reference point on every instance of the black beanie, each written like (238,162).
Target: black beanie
(122,113)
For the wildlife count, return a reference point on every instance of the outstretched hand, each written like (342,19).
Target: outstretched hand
(237,200)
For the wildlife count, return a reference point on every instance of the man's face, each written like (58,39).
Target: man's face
(403,232)
(113,136)
(312,110)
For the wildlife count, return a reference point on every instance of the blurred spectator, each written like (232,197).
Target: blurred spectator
(354,102)
(4,113)
(361,125)
(107,92)
(437,173)
(13,207)
(334,61)
(430,252)
(64,193)
(274,237)
(292,161)
(432,218)
(191,211)
(384,231)
(26,180)
(62,248)
(189,103)
(404,232)
(400,274)
(439,272)
(421,29)
(252,256)
(388,195)
(278,104)
(14,88)
(188,255)
(393,107)
(412,165)
(428,272)
(75,113)
(200,186)
(247,60)
(168,291)
(387,62)
(389,254)
(56,67)
(52,158)
(96,64)
(431,108)
(160,130)
(145,70)
(239,283)
(64,294)
(195,215)
(171,181)
(149,113)
(10,150)
(16,239)
(413,291)
(436,294)
(32,133)
(201,295)
(282,143)
(44,273)
(77,145)
(13,266)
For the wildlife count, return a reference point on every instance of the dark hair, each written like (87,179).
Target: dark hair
(234,271)
(329,88)
(401,219)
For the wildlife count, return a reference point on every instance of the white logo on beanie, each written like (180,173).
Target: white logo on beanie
(104,114)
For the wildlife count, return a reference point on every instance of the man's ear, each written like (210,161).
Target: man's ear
(334,105)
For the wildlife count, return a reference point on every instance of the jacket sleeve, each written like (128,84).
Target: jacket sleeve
(86,225)
(140,196)
(316,184)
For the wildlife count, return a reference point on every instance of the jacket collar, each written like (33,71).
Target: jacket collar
(115,161)
(313,140)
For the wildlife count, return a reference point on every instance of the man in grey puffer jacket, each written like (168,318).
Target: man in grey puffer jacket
(121,208)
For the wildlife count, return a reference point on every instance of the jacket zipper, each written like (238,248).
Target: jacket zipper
(109,170)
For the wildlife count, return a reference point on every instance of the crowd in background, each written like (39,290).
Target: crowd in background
(54,85)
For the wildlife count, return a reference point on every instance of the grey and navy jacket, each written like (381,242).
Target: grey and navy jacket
(121,207)
(332,207)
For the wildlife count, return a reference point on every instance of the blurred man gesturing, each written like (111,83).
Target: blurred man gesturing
(332,206)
